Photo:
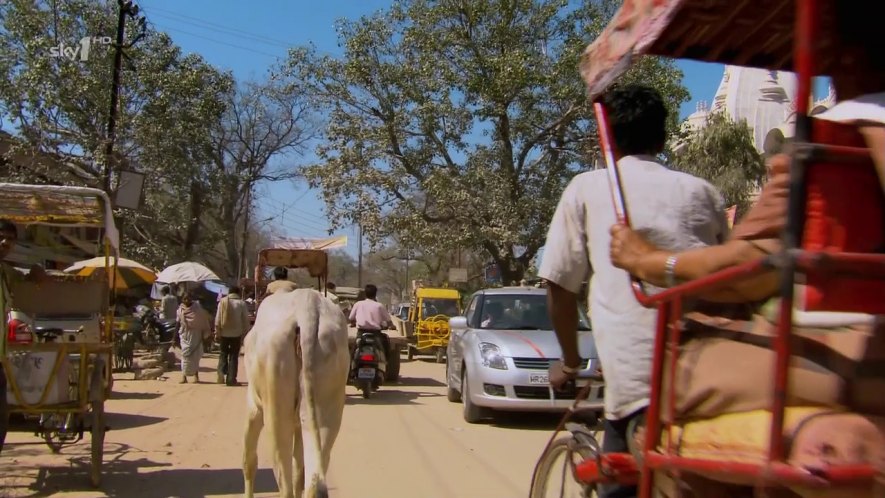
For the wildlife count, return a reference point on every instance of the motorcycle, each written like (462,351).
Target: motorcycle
(153,330)
(368,364)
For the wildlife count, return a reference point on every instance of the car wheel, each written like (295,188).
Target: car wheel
(473,414)
(452,394)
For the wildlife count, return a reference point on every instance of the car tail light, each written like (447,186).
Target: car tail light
(19,332)
(367,357)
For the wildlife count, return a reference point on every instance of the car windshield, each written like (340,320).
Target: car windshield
(432,307)
(521,312)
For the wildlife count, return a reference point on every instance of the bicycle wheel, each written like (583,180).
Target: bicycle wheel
(553,475)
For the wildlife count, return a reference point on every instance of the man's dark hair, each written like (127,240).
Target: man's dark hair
(281,273)
(8,227)
(371,291)
(330,285)
(638,119)
(164,290)
(235,290)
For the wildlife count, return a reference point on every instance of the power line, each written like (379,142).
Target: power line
(227,31)
(221,42)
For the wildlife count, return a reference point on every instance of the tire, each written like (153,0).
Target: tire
(97,430)
(410,353)
(473,414)
(440,355)
(452,394)
(366,387)
(548,468)
(393,363)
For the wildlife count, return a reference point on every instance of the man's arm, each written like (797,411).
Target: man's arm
(218,314)
(563,308)
(565,265)
(352,317)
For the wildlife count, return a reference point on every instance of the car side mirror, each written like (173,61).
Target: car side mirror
(458,323)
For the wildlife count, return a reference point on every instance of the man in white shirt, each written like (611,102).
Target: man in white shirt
(675,210)
(371,317)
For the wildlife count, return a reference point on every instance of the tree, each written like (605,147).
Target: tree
(456,125)
(58,107)
(263,123)
(722,152)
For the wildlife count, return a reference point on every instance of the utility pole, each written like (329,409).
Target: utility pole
(360,257)
(127,8)
(242,266)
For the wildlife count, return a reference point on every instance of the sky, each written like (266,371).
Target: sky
(247,37)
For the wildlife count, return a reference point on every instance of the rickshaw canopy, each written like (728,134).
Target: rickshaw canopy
(739,32)
(59,206)
(315,261)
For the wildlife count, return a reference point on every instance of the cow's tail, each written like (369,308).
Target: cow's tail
(309,341)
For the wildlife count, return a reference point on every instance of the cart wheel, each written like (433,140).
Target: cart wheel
(410,355)
(49,426)
(553,475)
(52,441)
(97,442)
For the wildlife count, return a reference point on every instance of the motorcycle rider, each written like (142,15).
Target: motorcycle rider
(371,317)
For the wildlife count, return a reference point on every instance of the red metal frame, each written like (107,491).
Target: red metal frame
(792,261)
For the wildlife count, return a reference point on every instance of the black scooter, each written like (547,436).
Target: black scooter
(368,364)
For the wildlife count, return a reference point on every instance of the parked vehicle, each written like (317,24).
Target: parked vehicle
(66,380)
(500,351)
(153,330)
(427,327)
(368,366)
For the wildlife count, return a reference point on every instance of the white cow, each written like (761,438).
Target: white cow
(297,362)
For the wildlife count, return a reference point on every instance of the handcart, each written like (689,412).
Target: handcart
(58,373)
(832,259)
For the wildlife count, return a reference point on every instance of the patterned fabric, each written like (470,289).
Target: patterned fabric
(634,28)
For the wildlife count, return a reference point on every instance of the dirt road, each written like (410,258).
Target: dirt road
(174,440)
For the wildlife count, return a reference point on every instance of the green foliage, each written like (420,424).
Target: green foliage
(722,152)
(458,124)
(202,141)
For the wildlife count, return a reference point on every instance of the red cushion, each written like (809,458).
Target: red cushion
(844,213)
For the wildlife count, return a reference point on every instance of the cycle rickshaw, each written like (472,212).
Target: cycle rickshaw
(832,259)
(60,347)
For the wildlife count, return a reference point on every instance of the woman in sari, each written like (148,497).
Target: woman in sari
(193,330)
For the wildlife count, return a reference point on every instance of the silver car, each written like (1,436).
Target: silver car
(499,353)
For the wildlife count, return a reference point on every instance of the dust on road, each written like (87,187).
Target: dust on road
(185,440)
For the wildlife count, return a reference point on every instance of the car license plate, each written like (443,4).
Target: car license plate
(366,373)
(538,378)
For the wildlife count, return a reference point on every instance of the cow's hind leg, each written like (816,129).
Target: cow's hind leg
(282,420)
(254,424)
(298,452)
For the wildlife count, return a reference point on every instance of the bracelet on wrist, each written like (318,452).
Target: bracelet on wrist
(670,271)
(570,370)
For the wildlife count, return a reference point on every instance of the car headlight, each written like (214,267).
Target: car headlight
(491,356)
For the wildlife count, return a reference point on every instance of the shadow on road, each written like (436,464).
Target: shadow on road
(134,395)
(120,421)
(125,478)
(387,397)
(419,382)
(537,421)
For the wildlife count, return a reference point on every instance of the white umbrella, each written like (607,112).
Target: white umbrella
(186,272)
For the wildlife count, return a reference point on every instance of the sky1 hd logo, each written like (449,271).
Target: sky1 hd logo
(79,51)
